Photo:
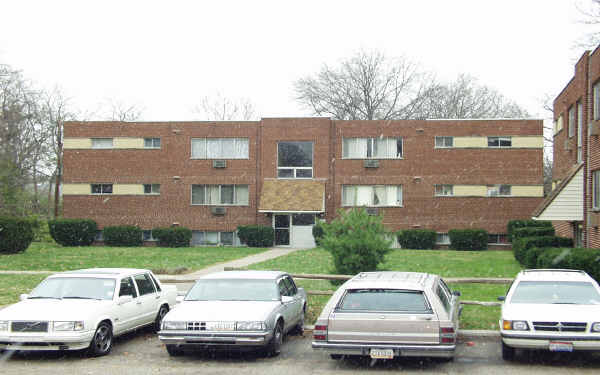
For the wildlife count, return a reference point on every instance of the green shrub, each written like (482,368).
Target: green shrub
(172,237)
(357,241)
(418,239)
(122,235)
(256,235)
(16,234)
(514,224)
(532,232)
(318,232)
(522,247)
(468,239)
(73,232)
(587,260)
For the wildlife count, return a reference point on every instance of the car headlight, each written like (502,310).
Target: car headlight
(250,326)
(68,326)
(171,325)
(595,327)
(515,325)
(3,325)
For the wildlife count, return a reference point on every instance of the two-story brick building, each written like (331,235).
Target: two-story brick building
(574,204)
(289,172)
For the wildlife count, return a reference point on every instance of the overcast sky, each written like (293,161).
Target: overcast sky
(165,55)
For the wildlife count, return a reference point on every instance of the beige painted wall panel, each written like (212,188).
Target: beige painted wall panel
(70,143)
(76,189)
(528,142)
(128,189)
(470,190)
(128,143)
(527,191)
(463,142)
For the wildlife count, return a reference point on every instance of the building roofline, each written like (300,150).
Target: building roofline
(550,198)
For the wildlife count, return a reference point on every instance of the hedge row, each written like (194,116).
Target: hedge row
(73,232)
(419,239)
(523,247)
(514,224)
(532,232)
(16,234)
(122,235)
(172,237)
(256,235)
(468,239)
(587,260)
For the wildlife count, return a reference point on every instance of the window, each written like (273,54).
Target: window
(579,132)
(99,236)
(498,239)
(147,236)
(127,288)
(219,148)
(384,300)
(151,188)
(372,148)
(444,190)
(202,238)
(372,196)
(295,160)
(597,101)
(156,284)
(442,142)
(442,239)
(102,188)
(499,142)
(444,297)
(559,123)
(220,195)
(571,121)
(151,142)
(303,219)
(102,143)
(498,190)
(596,190)
(144,284)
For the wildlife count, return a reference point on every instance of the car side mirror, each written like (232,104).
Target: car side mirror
(286,299)
(23,297)
(502,298)
(456,293)
(124,299)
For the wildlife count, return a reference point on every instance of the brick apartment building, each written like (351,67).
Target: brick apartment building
(289,172)
(574,204)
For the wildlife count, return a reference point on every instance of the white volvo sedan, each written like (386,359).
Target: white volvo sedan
(85,309)
(236,309)
(555,310)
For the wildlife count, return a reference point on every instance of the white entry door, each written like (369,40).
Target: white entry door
(301,235)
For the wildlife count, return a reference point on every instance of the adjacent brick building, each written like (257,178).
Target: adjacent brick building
(574,205)
(289,172)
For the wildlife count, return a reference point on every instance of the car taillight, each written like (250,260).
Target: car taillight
(447,335)
(320,333)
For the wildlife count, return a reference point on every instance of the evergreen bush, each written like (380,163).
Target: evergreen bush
(514,224)
(122,235)
(16,234)
(256,235)
(468,239)
(73,232)
(172,237)
(417,239)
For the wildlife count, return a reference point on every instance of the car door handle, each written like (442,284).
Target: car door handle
(157,297)
(139,302)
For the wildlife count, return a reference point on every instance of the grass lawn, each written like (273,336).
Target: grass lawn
(11,286)
(442,262)
(53,257)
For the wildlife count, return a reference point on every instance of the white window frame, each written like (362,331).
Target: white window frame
(97,143)
(446,190)
(152,142)
(495,190)
(236,140)
(235,195)
(296,169)
(102,190)
(219,242)
(500,140)
(444,141)
(399,195)
(151,238)
(559,124)
(371,146)
(153,187)
(596,190)
(571,118)
(579,131)
(445,239)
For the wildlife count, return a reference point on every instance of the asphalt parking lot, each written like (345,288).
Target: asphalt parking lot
(143,353)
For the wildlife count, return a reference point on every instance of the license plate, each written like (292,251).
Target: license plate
(560,347)
(220,326)
(382,353)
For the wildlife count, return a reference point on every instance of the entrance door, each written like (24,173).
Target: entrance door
(281,224)
(302,225)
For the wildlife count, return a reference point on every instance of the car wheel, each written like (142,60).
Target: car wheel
(508,353)
(335,356)
(102,341)
(174,350)
(164,309)
(274,347)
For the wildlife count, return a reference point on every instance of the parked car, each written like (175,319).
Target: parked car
(236,309)
(85,309)
(389,314)
(555,310)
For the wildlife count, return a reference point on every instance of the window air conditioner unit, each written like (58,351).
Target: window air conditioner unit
(372,211)
(219,163)
(370,163)
(218,211)
(595,128)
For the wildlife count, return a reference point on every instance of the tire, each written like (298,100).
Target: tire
(174,350)
(274,346)
(335,356)
(101,343)
(164,309)
(508,353)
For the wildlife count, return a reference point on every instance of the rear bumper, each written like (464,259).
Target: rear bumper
(530,341)
(67,341)
(240,339)
(400,350)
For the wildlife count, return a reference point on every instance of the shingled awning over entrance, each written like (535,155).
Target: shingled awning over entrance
(292,196)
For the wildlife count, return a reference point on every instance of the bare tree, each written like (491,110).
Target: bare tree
(367,86)
(590,16)
(117,110)
(466,98)
(221,108)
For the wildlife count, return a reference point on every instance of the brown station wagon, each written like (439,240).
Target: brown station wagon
(389,314)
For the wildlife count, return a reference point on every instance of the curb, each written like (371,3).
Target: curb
(462,333)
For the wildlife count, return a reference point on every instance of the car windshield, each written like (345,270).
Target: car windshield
(233,290)
(384,300)
(556,292)
(75,288)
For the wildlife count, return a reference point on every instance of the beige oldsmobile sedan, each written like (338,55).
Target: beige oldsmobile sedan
(389,314)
